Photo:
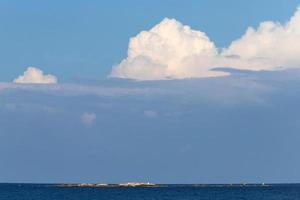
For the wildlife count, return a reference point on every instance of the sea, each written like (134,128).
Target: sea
(163,192)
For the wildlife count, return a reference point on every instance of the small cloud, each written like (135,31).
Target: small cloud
(35,76)
(150,113)
(88,118)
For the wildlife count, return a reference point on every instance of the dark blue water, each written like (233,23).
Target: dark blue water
(174,192)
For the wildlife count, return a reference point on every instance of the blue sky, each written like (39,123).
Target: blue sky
(239,125)
(82,39)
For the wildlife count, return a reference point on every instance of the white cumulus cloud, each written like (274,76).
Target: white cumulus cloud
(173,50)
(34,75)
(269,46)
(168,50)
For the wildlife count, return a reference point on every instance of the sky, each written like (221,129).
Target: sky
(152,91)
(85,39)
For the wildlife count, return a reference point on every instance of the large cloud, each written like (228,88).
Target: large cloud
(35,76)
(173,50)
(271,45)
(168,50)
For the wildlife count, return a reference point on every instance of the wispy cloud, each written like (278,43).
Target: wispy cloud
(80,89)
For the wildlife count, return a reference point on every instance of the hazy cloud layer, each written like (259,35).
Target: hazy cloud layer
(173,50)
(80,89)
(35,76)
(146,126)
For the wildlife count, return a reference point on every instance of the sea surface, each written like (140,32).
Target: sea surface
(174,192)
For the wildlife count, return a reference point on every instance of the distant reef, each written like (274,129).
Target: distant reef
(130,184)
(141,184)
